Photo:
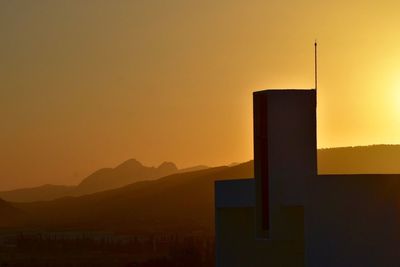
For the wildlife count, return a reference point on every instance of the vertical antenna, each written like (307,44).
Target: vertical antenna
(315,65)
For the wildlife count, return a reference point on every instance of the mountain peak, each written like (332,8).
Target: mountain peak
(130,163)
(168,167)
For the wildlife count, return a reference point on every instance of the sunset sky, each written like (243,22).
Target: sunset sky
(89,84)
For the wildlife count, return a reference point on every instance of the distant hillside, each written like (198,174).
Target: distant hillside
(183,201)
(179,202)
(383,159)
(194,168)
(129,172)
(11,216)
(346,160)
(41,193)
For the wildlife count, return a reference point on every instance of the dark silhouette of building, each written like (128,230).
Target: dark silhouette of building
(291,216)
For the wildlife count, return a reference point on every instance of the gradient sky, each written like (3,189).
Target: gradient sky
(89,84)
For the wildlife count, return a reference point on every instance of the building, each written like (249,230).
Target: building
(288,215)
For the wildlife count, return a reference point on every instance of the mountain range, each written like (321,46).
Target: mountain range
(176,202)
(345,160)
(128,172)
(384,159)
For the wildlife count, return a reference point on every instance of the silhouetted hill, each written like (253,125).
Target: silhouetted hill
(10,215)
(129,172)
(41,193)
(194,168)
(179,202)
(347,160)
(383,159)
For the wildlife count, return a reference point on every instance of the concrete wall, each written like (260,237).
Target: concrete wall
(237,246)
(353,220)
(285,153)
(349,220)
(236,242)
(313,221)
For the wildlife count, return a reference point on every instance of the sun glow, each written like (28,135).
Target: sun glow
(393,100)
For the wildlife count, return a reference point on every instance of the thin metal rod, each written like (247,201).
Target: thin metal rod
(315,65)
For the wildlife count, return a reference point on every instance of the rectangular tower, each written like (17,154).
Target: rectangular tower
(285,155)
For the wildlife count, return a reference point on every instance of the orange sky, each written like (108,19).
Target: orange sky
(89,84)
